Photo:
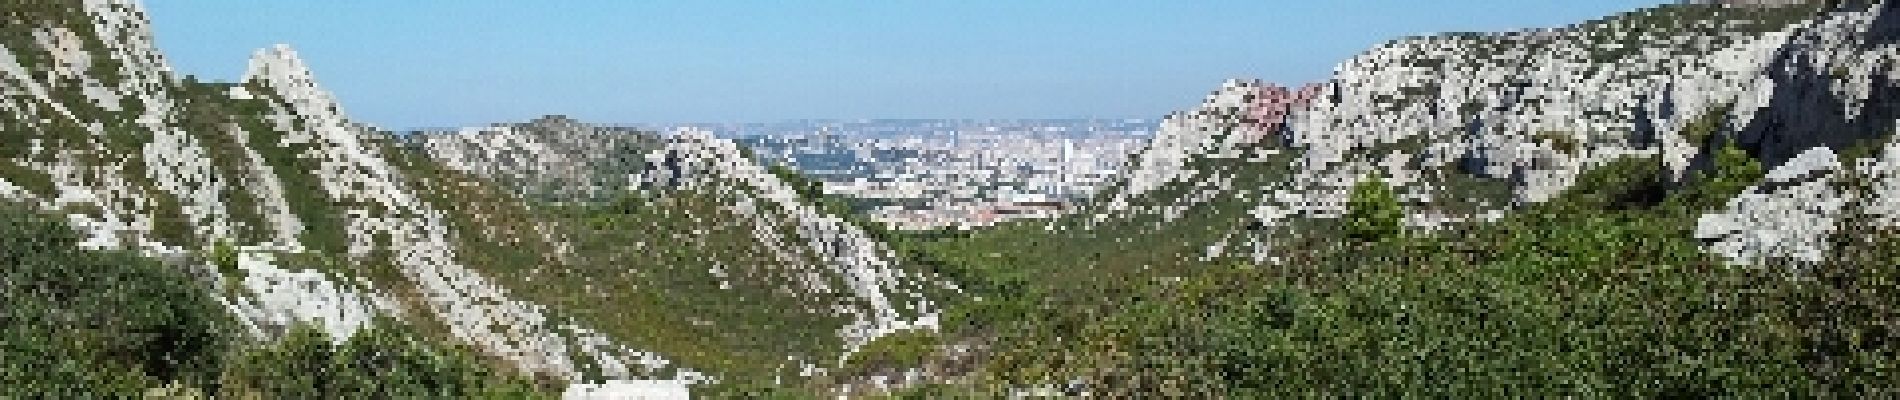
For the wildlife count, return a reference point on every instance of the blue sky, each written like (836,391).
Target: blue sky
(438,63)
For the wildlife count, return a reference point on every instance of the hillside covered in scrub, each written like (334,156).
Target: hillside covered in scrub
(292,220)
(1690,200)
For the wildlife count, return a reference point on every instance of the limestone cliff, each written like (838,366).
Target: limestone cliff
(1470,125)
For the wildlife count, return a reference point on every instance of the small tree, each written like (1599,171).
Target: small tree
(1373,212)
(224,256)
(1733,172)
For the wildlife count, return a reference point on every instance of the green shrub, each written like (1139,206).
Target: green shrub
(1623,184)
(80,323)
(35,182)
(1733,172)
(894,352)
(224,256)
(1704,128)
(384,361)
(296,165)
(1373,212)
(105,324)
(1864,148)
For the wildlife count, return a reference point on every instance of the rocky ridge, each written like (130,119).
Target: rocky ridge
(699,161)
(1445,117)
(139,158)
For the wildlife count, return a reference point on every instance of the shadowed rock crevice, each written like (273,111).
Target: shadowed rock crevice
(1806,110)
(1885,29)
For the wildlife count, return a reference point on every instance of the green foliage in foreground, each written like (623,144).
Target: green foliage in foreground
(386,361)
(1599,293)
(109,324)
(97,324)
(893,353)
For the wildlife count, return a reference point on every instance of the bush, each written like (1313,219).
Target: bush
(33,181)
(1624,184)
(1373,212)
(106,324)
(1562,142)
(1733,172)
(1704,128)
(224,256)
(385,361)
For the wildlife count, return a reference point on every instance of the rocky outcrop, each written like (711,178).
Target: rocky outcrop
(1831,83)
(121,85)
(1241,114)
(1788,216)
(553,157)
(1272,105)
(1537,107)
(1834,86)
(1754,3)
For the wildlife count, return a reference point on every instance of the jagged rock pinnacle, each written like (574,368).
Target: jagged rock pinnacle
(279,67)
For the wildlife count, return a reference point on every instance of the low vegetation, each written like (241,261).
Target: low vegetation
(97,324)
(386,361)
(1601,292)
(113,324)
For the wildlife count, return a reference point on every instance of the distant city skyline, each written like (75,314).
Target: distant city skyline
(441,63)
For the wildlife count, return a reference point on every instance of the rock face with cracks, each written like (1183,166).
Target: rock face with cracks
(1443,117)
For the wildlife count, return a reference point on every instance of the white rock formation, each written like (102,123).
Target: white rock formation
(279,298)
(1535,109)
(628,390)
(1788,216)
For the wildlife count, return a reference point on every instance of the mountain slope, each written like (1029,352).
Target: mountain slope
(562,250)
(696,247)
(326,230)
